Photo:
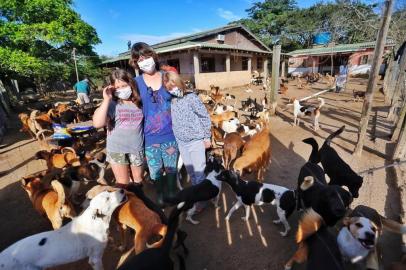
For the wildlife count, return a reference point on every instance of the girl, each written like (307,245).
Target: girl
(161,149)
(191,126)
(121,112)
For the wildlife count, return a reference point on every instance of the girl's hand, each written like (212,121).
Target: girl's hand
(207,144)
(108,93)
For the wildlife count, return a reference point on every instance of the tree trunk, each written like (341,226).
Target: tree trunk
(373,77)
(276,56)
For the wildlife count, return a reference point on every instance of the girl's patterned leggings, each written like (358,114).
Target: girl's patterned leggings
(161,157)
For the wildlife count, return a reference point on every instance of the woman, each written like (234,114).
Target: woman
(121,112)
(161,149)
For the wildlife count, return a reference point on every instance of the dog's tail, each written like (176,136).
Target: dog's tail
(322,102)
(393,226)
(309,224)
(314,155)
(158,229)
(57,186)
(333,135)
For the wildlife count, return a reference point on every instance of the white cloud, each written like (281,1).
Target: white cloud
(227,14)
(153,39)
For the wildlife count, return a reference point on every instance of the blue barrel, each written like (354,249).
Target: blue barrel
(322,38)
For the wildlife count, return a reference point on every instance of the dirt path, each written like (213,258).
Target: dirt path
(214,243)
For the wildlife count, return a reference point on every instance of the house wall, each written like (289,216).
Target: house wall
(234,38)
(222,79)
(185,62)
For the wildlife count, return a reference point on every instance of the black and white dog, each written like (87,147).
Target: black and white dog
(208,189)
(254,193)
(337,169)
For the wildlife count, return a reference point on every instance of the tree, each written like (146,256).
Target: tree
(37,38)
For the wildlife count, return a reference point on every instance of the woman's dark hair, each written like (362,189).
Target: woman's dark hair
(142,48)
(120,74)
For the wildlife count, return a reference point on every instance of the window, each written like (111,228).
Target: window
(364,60)
(260,63)
(245,63)
(174,63)
(208,64)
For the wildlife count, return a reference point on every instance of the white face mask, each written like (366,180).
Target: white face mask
(147,65)
(123,93)
(176,92)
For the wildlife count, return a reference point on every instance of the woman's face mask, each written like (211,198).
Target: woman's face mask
(176,92)
(123,93)
(147,65)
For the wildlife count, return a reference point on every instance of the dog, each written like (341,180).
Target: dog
(358,238)
(49,201)
(254,193)
(307,110)
(137,216)
(220,108)
(230,125)
(159,258)
(85,236)
(208,189)
(316,245)
(28,125)
(233,144)
(337,169)
(54,159)
(358,95)
(216,119)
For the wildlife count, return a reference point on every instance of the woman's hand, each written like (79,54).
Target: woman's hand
(108,93)
(207,144)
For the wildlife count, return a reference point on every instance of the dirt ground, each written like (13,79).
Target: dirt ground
(214,243)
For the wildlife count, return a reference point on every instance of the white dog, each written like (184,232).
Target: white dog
(230,125)
(85,236)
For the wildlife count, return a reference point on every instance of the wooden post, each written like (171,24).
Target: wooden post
(283,69)
(398,85)
(388,78)
(228,63)
(399,123)
(400,149)
(276,56)
(373,76)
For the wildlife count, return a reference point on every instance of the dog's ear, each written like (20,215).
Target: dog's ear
(24,182)
(307,183)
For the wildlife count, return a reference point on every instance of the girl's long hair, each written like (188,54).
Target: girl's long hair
(120,74)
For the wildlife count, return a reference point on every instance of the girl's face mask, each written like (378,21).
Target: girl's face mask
(175,91)
(147,65)
(123,93)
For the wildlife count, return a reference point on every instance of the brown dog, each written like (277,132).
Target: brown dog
(136,215)
(255,155)
(232,146)
(28,125)
(48,201)
(59,160)
(216,119)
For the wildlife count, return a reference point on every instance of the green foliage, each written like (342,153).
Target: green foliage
(348,21)
(37,38)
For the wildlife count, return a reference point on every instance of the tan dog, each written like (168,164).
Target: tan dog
(28,125)
(136,215)
(48,201)
(232,146)
(216,119)
(59,160)
(255,155)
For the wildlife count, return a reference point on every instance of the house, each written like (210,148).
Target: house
(327,59)
(225,56)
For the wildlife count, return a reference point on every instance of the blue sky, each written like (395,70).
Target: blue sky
(118,21)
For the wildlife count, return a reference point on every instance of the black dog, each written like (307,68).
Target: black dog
(340,173)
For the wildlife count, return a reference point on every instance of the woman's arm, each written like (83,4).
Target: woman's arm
(100,115)
(200,110)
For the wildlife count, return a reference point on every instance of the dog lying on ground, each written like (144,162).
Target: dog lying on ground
(316,245)
(85,236)
(337,169)
(255,154)
(137,216)
(159,258)
(208,189)
(55,159)
(253,193)
(49,201)
(307,110)
(358,238)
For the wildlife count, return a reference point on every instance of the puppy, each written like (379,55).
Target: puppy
(85,236)
(208,189)
(337,169)
(253,193)
(316,245)
(48,201)
(135,215)
(58,160)
(307,110)
(358,238)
